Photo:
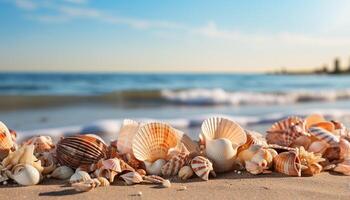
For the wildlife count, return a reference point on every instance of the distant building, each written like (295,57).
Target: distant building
(336,66)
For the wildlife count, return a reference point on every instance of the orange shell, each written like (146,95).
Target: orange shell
(314,119)
(288,163)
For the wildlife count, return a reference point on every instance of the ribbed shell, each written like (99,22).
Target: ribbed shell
(324,135)
(80,150)
(6,143)
(217,127)
(153,141)
(172,167)
(288,163)
(187,141)
(202,167)
(126,135)
(286,131)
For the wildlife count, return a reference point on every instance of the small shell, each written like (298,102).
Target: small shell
(79,176)
(288,163)
(6,142)
(110,164)
(344,146)
(62,172)
(185,173)
(25,174)
(247,154)
(310,162)
(155,168)
(324,135)
(153,141)
(318,147)
(85,186)
(252,138)
(132,178)
(314,119)
(126,134)
(106,173)
(41,143)
(303,141)
(158,180)
(261,161)
(202,167)
(343,167)
(142,172)
(103,181)
(172,167)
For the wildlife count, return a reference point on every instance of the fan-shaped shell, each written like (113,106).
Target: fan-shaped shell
(288,163)
(25,174)
(202,167)
(80,150)
(6,142)
(324,135)
(343,167)
(217,127)
(126,134)
(153,141)
(41,143)
(286,131)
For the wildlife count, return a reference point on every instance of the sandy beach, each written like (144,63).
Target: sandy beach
(224,186)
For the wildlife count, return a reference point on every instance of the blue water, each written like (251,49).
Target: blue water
(96,84)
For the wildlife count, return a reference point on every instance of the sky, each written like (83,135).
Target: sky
(172,36)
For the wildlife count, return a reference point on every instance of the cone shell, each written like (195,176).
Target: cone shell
(202,167)
(80,150)
(153,141)
(324,135)
(132,178)
(79,176)
(126,135)
(62,172)
(286,131)
(314,119)
(25,174)
(217,127)
(288,163)
(6,142)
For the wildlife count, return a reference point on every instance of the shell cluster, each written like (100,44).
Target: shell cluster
(152,152)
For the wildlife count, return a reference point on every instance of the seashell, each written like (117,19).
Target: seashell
(286,131)
(79,176)
(125,167)
(106,173)
(85,186)
(126,134)
(155,168)
(110,164)
(103,181)
(324,135)
(332,154)
(47,162)
(41,143)
(288,163)
(201,166)
(142,172)
(190,145)
(185,173)
(80,150)
(303,141)
(329,126)
(158,180)
(6,142)
(62,172)
(343,167)
(314,119)
(131,178)
(132,161)
(248,154)
(310,161)
(25,174)
(318,147)
(344,147)
(261,161)
(252,138)
(172,167)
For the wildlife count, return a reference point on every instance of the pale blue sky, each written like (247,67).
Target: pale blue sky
(168,35)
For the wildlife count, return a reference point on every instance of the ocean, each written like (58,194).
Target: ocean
(183,100)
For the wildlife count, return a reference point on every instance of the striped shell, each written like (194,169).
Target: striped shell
(202,167)
(80,150)
(153,141)
(288,163)
(324,135)
(217,127)
(41,143)
(6,142)
(284,132)
(126,135)
(172,167)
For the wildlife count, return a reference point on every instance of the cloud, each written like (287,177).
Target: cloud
(25,4)
(76,1)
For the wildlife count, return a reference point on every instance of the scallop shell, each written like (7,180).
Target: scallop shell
(344,146)
(288,163)
(25,174)
(324,135)
(79,176)
(172,167)
(6,142)
(314,119)
(80,150)
(126,134)
(62,172)
(131,178)
(284,132)
(41,143)
(202,167)
(185,173)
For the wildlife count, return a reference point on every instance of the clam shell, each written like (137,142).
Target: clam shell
(202,167)
(6,142)
(324,135)
(62,172)
(314,119)
(284,132)
(126,135)
(41,143)
(217,127)
(158,180)
(153,141)
(79,176)
(25,174)
(132,178)
(185,173)
(80,150)
(172,167)
(288,163)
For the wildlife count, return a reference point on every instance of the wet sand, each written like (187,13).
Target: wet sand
(225,186)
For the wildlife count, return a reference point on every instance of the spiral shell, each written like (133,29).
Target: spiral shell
(126,134)
(62,172)
(80,150)
(324,135)
(6,142)
(132,178)
(202,167)
(288,163)
(25,174)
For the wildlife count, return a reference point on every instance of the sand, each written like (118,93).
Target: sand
(225,186)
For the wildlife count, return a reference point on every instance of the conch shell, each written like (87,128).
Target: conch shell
(25,174)
(202,167)
(288,163)
(6,143)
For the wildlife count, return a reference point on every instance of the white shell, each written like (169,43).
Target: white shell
(25,174)
(155,168)
(126,135)
(185,173)
(132,178)
(62,172)
(79,176)
(222,152)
